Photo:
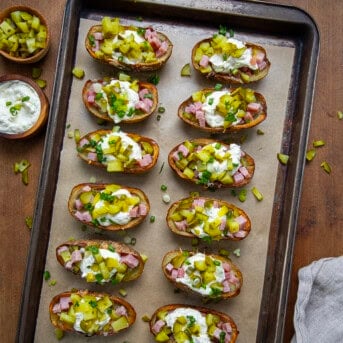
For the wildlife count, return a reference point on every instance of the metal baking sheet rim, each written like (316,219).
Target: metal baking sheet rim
(279,261)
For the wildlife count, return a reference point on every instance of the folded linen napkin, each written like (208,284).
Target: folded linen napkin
(318,314)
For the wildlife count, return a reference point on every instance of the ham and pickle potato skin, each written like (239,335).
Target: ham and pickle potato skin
(183,323)
(223,110)
(209,219)
(91,313)
(128,48)
(212,163)
(118,151)
(110,207)
(230,60)
(120,100)
(209,276)
(100,261)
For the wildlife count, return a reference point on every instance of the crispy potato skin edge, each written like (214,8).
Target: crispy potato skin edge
(119,247)
(223,316)
(171,254)
(58,324)
(99,187)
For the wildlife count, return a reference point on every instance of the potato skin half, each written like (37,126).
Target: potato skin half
(232,128)
(119,248)
(173,207)
(116,300)
(171,307)
(137,67)
(98,187)
(202,142)
(230,78)
(135,169)
(225,295)
(134,119)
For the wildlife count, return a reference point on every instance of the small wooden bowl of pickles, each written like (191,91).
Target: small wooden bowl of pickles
(24,34)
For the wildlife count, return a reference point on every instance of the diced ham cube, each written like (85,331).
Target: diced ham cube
(169,267)
(158,326)
(86,188)
(200,116)
(198,202)
(83,216)
(240,234)
(254,107)
(92,156)
(155,43)
(145,160)
(226,286)
(217,333)
(78,204)
(227,327)
(244,172)
(162,49)
(233,279)
(260,57)
(181,225)
(121,311)
(143,106)
(142,209)
(226,266)
(61,249)
(174,274)
(76,256)
(143,92)
(98,36)
(262,65)
(241,221)
(204,61)
(238,177)
(64,303)
(183,149)
(133,213)
(130,261)
(56,308)
(176,156)
(222,224)
(180,273)
(83,142)
(248,117)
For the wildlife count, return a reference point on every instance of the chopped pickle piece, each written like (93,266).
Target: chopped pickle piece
(310,154)
(326,167)
(340,115)
(258,195)
(319,143)
(41,83)
(283,158)
(186,70)
(78,72)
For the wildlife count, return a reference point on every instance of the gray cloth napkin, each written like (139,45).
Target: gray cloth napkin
(318,314)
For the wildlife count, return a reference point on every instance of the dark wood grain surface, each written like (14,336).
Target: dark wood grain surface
(319,231)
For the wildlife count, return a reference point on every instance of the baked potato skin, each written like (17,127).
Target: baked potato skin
(225,295)
(171,307)
(136,169)
(134,119)
(131,313)
(98,187)
(179,232)
(232,128)
(202,142)
(119,248)
(137,67)
(230,78)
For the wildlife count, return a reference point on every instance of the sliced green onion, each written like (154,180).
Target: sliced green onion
(283,158)
(195,241)
(154,79)
(146,318)
(218,86)
(310,154)
(242,195)
(59,334)
(127,239)
(133,241)
(36,72)
(166,198)
(161,109)
(237,252)
(164,188)
(317,144)
(326,167)
(260,132)
(224,252)
(152,219)
(258,195)
(47,275)
(41,83)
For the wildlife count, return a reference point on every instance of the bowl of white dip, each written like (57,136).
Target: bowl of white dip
(23,107)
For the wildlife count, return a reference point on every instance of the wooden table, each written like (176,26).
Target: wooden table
(320,219)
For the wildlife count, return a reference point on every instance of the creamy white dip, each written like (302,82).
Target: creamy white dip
(121,217)
(226,65)
(125,35)
(132,98)
(202,337)
(186,279)
(19,107)
(136,152)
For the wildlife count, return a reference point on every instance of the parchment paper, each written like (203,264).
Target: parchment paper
(152,290)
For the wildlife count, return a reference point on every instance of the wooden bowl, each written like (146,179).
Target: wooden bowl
(44,107)
(38,55)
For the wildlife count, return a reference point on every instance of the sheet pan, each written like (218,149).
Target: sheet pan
(266,255)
